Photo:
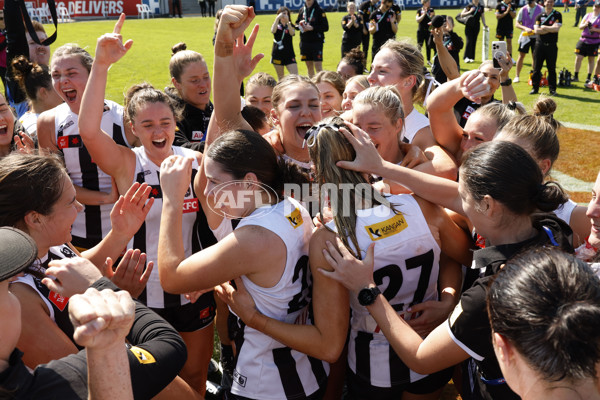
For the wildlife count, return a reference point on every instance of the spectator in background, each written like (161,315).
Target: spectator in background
(424,16)
(203,6)
(546,26)
(365,9)
(176,8)
(282,54)
(505,13)
(475,12)
(587,46)
(211,8)
(312,23)
(446,62)
(3,50)
(353,26)
(383,25)
(580,10)
(525,22)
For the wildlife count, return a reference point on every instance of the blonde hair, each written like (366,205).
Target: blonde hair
(360,80)
(330,146)
(500,113)
(331,77)
(385,99)
(261,79)
(181,58)
(411,61)
(289,80)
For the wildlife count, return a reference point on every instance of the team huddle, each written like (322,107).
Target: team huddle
(342,243)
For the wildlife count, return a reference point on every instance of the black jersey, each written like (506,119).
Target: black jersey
(505,24)
(465,107)
(316,17)
(476,16)
(424,24)
(365,9)
(283,47)
(191,129)
(454,45)
(549,19)
(384,21)
(353,34)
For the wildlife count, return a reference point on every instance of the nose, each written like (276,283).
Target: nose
(593,210)
(371,78)
(78,206)
(346,104)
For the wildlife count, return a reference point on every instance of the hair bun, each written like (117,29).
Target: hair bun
(545,106)
(177,48)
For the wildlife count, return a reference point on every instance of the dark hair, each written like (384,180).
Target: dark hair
(29,182)
(31,76)
(356,59)
(284,8)
(255,117)
(144,93)
(240,152)
(547,304)
(507,173)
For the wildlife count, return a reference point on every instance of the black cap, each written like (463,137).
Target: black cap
(438,21)
(17,252)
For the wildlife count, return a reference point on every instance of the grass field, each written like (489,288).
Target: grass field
(148,60)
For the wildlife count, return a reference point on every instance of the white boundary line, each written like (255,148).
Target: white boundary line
(574,125)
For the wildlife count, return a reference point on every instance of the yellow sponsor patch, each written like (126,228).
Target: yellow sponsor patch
(387,228)
(143,356)
(295,218)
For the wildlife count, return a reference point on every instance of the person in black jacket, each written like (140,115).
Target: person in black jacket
(448,46)
(383,25)
(365,10)
(108,368)
(191,78)
(424,17)
(312,23)
(353,26)
(475,12)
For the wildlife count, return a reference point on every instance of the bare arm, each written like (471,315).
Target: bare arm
(46,131)
(447,63)
(323,340)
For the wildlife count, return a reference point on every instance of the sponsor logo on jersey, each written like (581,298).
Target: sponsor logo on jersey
(190,205)
(387,228)
(197,135)
(295,218)
(156,191)
(67,252)
(239,378)
(58,300)
(73,141)
(143,356)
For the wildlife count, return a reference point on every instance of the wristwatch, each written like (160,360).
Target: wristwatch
(367,296)
(507,82)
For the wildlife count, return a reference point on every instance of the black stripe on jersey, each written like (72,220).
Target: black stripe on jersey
(290,380)
(363,354)
(139,239)
(118,136)
(89,180)
(399,372)
(202,236)
(318,370)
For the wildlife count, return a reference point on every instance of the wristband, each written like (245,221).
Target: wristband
(223,49)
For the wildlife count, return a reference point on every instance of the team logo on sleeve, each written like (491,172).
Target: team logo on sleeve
(295,218)
(73,141)
(143,356)
(387,228)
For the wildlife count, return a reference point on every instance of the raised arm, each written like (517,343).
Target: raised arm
(115,160)
(233,62)
(323,340)
(447,62)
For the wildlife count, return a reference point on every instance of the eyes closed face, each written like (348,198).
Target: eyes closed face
(383,133)
(478,129)
(299,109)
(57,225)
(69,78)
(194,86)
(331,100)
(154,124)
(260,97)
(345,70)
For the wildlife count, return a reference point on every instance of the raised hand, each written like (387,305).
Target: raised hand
(234,21)
(175,174)
(132,273)
(110,47)
(367,158)
(101,319)
(474,85)
(130,211)
(242,54)
(24,143)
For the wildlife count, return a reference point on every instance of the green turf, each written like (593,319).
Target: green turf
(149,58)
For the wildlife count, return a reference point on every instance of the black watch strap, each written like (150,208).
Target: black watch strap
(507,82)
(367,296)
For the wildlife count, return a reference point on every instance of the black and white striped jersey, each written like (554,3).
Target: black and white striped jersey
(406,271)
(266,369)
(93,222)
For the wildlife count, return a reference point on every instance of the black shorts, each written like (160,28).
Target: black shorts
(529,45)
(311,51)
(501,35)
(586,49)
(192,316)
(282,57)
(422,36)
(359,389)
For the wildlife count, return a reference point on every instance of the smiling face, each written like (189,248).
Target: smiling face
(383,132)
(194,84)
(260,96)
(38,53)
(385,71)
(223,197)
(351,8)
(298,110)
(55,228)
(350,92)
(154,125)
(69,78)
(593,213)
(331,100)
(7,124)
(493,78)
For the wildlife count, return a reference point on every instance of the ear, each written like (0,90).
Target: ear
(504,350)
(545,165)
(489,206)
(399,126)
(42,92)
(410,81)
(176,84)
(33,221)
(274,117)
(250,177)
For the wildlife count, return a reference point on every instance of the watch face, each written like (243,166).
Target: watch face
(367,296)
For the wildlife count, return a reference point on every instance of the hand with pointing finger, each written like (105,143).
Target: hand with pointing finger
(110,47)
